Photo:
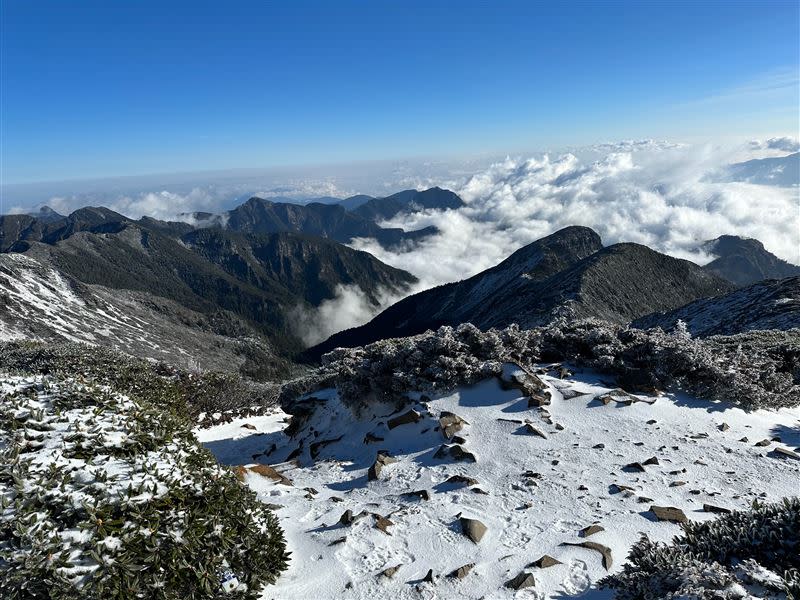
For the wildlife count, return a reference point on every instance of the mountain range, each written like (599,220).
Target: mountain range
(243,276)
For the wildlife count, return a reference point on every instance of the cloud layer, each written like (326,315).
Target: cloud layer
(660,196)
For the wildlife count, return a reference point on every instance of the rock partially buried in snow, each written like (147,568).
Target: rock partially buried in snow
(473,529)
(381,460)
(530,429)
(521,581)
(545,562)
(450,424)
(591,530)
(461,480)
(383,524)
(710,508)
(669,513)
(454,451)
(390,572)
(605,551)
(406,418)
(462,571)
(421,494)
(780,451)
(264,471)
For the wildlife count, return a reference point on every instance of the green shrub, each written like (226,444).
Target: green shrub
(107,495)
(714,559)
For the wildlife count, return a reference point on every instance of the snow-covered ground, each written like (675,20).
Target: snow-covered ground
(538,492)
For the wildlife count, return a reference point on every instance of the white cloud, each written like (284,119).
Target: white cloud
(784,144)
(349,308)
(661,197)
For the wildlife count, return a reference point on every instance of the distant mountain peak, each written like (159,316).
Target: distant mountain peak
(744,261)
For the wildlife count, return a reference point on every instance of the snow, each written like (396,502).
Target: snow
(526,516)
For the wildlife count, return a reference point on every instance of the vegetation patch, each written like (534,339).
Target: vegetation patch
(107,494)
(754,552)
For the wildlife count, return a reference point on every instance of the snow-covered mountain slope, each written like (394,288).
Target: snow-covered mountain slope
(566,274)
(38,302)
(770,304)
(373,505)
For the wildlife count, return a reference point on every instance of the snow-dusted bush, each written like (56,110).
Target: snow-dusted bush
(756,551)
(109,495)
(755,370)
(189,393)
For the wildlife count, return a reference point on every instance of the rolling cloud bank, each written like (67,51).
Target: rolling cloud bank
(670,197)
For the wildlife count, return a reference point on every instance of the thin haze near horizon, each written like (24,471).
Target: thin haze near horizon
(96,89)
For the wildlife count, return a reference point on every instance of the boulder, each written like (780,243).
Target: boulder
(591,530)
(454,451)
(473,529)
(785,452)
(406,418)
(710,508)
(544,562)
(605,551)
(669,513)
(450,424)
(521,581)
(534,431)
(462,571)
(461,480)
(391,571)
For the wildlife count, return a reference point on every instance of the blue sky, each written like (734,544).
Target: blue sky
(96,89)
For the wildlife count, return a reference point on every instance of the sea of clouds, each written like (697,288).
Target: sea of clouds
(671,197)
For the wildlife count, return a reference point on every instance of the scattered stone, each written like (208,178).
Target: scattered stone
(461,480)
(780,451)
(710,508)
(473,529)
(583,488)
(264,471)
(421,494)
(381,460)
(534,431)
(517,421)
(539,399)
(744,439)
(336,499)
(643,499)
(559,427)
(564,373)
(525,382)
(338,541)
(372,438)
(462,571)
(317,446)
(605,551)
(634,467)
(457,439)
(429,577)
(763,443)
(605,399)
(348,518)
(669,513)
(723,427)
(652,422)
(521,581)
(406,418)
(599,446)
(390,572)
(454,451)
(249,426)
(616,488)
(677,483)
(651,461)
(591,530)
(479,491)
(450,424)
(545,562)
(383,524)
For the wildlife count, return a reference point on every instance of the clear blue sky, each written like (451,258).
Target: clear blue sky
(94,89)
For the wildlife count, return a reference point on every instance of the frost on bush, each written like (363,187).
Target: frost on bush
(106,495)
(754,370)
(188,393)
(755,552)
